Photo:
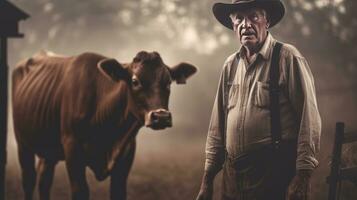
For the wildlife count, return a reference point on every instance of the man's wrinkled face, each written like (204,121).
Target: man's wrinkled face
(250,27)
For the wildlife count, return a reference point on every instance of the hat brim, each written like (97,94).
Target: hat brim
(274,8)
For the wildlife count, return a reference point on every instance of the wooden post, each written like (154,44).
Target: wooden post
(3,112)
(336,161)
(10,16)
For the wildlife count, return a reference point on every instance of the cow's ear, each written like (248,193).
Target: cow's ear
(113,70)
(181,72)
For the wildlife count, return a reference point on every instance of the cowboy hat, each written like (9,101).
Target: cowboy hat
(274,8)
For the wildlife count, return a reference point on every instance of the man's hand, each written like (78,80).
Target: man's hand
(300,186)
(206,192)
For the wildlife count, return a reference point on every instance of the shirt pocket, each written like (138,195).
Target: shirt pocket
(262,99)
(262,95)
(233,96)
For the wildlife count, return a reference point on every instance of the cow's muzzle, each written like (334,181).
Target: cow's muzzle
(158,119)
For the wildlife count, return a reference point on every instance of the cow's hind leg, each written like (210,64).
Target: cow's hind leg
(45,171)
(120,173)
(27,164)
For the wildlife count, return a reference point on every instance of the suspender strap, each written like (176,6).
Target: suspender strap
(274,96)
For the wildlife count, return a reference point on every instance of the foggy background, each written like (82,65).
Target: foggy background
(169,163)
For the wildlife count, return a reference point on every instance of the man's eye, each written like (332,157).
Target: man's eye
(239,19)
(255,18)
(236,22)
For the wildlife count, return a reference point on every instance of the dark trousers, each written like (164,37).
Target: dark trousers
(264,174)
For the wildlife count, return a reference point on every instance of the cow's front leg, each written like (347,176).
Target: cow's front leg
(75,163)
(120,173)
(45,171)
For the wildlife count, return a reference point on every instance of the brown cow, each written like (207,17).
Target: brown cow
(87,110)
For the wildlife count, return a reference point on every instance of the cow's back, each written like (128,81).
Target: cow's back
(36,101)
(52,95)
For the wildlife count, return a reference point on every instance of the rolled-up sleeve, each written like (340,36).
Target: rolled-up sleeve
(302,96)
(215,149)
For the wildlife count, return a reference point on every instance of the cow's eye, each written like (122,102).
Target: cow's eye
(135,82)
(168,87)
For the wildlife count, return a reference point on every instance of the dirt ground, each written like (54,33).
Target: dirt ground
(163,170)
(165,167)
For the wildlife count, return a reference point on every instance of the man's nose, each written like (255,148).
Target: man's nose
(246,22)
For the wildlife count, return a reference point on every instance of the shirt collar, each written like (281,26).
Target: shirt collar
(265,51)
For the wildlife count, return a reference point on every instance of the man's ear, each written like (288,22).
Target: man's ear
(113,70)
(181,72)
(268,25)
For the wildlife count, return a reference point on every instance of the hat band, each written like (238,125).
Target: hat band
(238,1)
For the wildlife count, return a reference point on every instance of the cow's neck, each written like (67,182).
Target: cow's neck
(105,157)
(114,127)
(112,104)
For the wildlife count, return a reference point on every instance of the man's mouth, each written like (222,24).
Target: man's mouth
(248,33)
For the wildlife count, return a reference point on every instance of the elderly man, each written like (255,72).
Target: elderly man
(265,125)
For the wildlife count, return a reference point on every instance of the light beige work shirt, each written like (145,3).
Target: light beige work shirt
(248,116)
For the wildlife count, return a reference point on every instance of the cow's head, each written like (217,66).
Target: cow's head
(149,80)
